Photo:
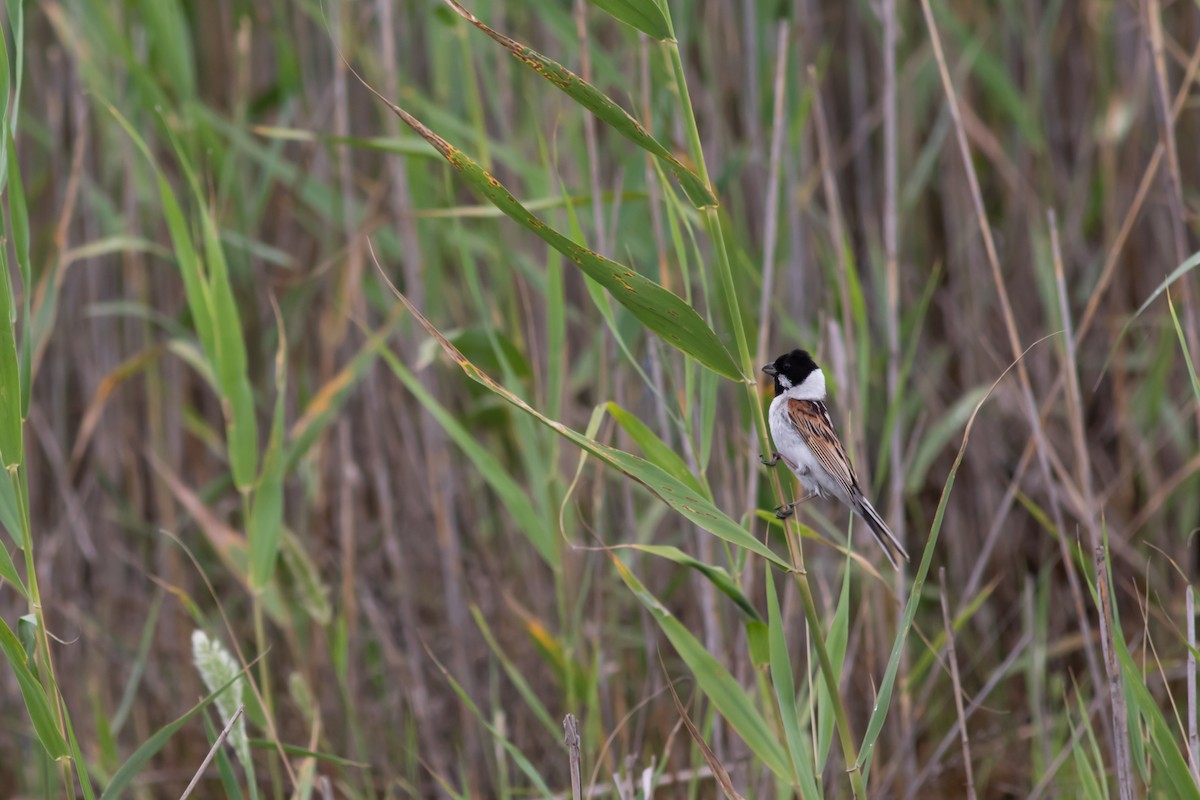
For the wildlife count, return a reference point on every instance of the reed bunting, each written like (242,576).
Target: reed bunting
(806,441)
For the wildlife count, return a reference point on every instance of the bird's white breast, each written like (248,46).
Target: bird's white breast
(791,446)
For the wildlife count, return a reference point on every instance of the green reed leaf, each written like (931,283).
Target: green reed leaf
(600,104)
(646,16)
(784,688)
(671,491)
(734,704)
(36,703)
(665,313)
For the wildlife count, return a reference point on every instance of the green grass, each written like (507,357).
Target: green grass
(424,401)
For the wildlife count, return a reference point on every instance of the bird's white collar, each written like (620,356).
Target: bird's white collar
(811,388)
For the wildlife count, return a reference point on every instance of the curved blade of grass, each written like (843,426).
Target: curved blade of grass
(784,686)
(1183,347)
(655,449)
(36,702)
(214,313)
(665,313)
(837,637)
(713,679)
(646,16)
(599,103)
(686,501)
(884,697)
(1191,263)
(1187,266)
(718,576)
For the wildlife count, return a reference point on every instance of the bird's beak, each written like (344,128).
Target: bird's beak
(770,370)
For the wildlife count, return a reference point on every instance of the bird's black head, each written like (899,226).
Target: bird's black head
(790,369)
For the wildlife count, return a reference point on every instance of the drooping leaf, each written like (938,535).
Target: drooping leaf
(680,497)
(714,680)
(665,313)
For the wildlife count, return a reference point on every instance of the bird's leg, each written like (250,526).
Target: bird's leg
(774,460)
(787,509)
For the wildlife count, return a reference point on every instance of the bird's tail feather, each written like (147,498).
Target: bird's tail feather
(887,540)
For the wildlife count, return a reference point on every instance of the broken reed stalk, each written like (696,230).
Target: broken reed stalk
(212,751)
(571,740)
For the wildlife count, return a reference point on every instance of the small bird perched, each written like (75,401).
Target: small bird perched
(808,444)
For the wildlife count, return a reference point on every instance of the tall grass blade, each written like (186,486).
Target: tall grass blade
(37,704)
(598,103)
(658,309)
(884,697)
(838,637)
(686,501)
(191,270)
(784,687)
(713,679)
(1183,348)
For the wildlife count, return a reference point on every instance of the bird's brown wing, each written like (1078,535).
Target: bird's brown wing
(812,422)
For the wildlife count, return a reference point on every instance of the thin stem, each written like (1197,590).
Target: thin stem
(21,488)
(712,221)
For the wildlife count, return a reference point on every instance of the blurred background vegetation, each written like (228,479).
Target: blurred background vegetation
(217,415)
